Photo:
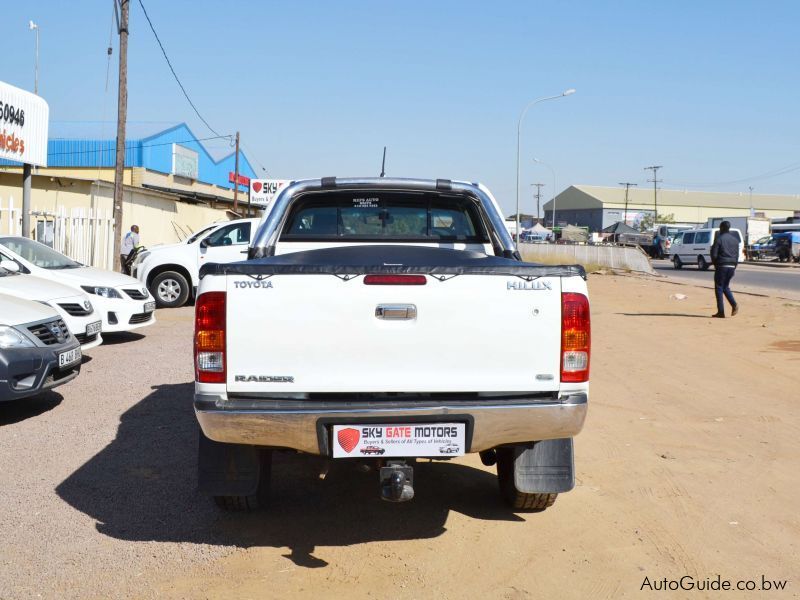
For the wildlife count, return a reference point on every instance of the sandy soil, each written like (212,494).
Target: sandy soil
(687,466)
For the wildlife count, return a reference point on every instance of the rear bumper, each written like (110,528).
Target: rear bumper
(304,424)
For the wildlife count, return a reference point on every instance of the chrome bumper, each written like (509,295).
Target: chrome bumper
(304,425)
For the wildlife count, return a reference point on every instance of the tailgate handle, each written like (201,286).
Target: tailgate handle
(396,312)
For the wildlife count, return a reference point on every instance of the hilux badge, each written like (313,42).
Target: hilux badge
(529,285)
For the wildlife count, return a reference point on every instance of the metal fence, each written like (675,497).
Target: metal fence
(615,256)
(85,235)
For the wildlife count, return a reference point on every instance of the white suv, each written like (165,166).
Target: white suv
(172,272)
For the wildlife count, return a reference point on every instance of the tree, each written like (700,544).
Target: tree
(647,221)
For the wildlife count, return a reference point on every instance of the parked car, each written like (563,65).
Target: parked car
(775,246)
(37,351)
(371,326)
(693,247)
(74,307)
(121,301)
(171,272)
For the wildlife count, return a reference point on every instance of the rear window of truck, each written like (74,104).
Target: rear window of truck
(375,216)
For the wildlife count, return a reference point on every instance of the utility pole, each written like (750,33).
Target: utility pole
(752,212)
(539,187)
(236,178)
(627,185)
(122,116)
(655,181)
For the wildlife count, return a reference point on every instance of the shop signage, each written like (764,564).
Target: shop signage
(263,191)
(24,119)
(242,179)
(184,162)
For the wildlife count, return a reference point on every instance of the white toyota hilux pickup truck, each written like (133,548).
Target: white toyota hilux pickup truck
(379,320)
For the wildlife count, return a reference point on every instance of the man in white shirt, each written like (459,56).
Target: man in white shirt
(129,243)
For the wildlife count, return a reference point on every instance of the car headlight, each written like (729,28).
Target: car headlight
(11,338)
(140,257)
(105,292)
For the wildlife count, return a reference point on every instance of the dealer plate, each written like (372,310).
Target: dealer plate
(149,306)
(93,328)
(406,440)
(70,356)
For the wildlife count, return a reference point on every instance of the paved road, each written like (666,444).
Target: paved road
(780,281)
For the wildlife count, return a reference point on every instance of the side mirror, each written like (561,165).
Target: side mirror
(204,243)
(9,265)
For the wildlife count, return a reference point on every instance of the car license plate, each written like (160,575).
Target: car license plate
(67,358)
(407,440)
(94,328)
(149,306)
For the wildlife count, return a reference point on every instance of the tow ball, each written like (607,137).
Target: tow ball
(397,481)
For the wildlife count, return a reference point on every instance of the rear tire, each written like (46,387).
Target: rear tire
(702,264)
(519,501)
(677,263)
(170,289)
(254,501)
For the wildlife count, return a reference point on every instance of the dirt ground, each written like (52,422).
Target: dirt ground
(687,465)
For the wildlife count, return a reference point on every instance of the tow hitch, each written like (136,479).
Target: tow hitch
(397,481)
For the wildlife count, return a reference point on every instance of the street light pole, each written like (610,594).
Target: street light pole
(34,27)
(568,92)
(553,172)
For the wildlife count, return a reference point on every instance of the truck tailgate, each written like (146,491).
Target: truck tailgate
(306,333)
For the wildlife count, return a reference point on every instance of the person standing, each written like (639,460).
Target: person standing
(725,256)
(129,243)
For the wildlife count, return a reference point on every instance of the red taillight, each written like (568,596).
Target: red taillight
(209,338)
(575,338)
(395,280)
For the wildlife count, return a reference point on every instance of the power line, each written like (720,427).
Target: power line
(767,175)
(174,74)
(129,146)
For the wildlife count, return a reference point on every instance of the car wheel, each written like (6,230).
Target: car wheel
(514,498)
(170,289)
(677,263)
(702,264)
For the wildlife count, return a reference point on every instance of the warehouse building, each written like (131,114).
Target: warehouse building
(598,207)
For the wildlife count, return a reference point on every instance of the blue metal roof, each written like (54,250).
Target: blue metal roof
(151,151)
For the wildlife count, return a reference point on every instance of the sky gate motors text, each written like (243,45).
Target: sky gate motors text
(406,432)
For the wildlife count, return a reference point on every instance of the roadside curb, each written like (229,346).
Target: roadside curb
(665,279)
(774,265)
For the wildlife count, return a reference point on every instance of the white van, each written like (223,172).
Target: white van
(693,247)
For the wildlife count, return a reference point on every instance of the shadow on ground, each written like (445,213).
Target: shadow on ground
(26,408)
(665,315)
(142,486)
(121,337)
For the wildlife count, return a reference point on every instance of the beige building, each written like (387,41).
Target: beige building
(598,207)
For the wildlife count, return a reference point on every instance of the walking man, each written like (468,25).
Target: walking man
(129,243)
(725,256)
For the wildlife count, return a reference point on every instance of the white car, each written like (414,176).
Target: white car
(74,307)
(171,272)
(121,301)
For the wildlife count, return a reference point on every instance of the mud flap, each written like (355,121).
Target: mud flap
(227,469)
(546,468)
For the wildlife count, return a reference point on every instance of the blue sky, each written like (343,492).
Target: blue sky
(708,89)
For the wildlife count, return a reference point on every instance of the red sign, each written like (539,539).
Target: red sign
(242,179)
